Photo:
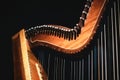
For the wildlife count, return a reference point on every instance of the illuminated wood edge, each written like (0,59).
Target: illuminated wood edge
(33,61)
(24,65)
(98,7)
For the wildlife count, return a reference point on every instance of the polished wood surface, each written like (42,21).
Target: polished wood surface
(20,56)
(26,66)
(87,33)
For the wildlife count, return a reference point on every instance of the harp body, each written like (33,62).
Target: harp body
(27,66)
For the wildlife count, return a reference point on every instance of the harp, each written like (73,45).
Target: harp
(64,43)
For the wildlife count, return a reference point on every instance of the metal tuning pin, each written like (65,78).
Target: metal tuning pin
(69,34)
(62,34)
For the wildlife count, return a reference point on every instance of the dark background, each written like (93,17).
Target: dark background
(19,14)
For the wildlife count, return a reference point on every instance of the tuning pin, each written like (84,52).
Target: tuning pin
(69,35)
(78,28)
(75,32)
(35,31)
(82,18)
(50,30)
(32,32)
(84,12)
(62,34)
(46,29)
(54,31)
(41,30)
(88,4)
(59,32)
(66,34)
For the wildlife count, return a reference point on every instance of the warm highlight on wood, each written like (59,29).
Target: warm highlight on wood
(24,60)
(87,32)
(20,54)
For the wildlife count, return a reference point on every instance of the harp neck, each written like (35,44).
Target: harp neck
(64,39)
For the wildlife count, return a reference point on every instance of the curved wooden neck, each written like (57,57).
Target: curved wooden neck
(87,32)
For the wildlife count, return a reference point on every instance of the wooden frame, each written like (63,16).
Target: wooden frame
(26,66)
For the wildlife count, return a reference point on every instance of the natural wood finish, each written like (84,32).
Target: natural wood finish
(24,60)
(87,33)
(20,54)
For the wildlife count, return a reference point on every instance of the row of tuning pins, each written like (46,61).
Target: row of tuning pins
(84,14)
(68,34)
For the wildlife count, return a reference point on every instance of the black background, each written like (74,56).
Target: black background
(19,14)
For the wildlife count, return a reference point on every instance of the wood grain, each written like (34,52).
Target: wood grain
(84,38)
